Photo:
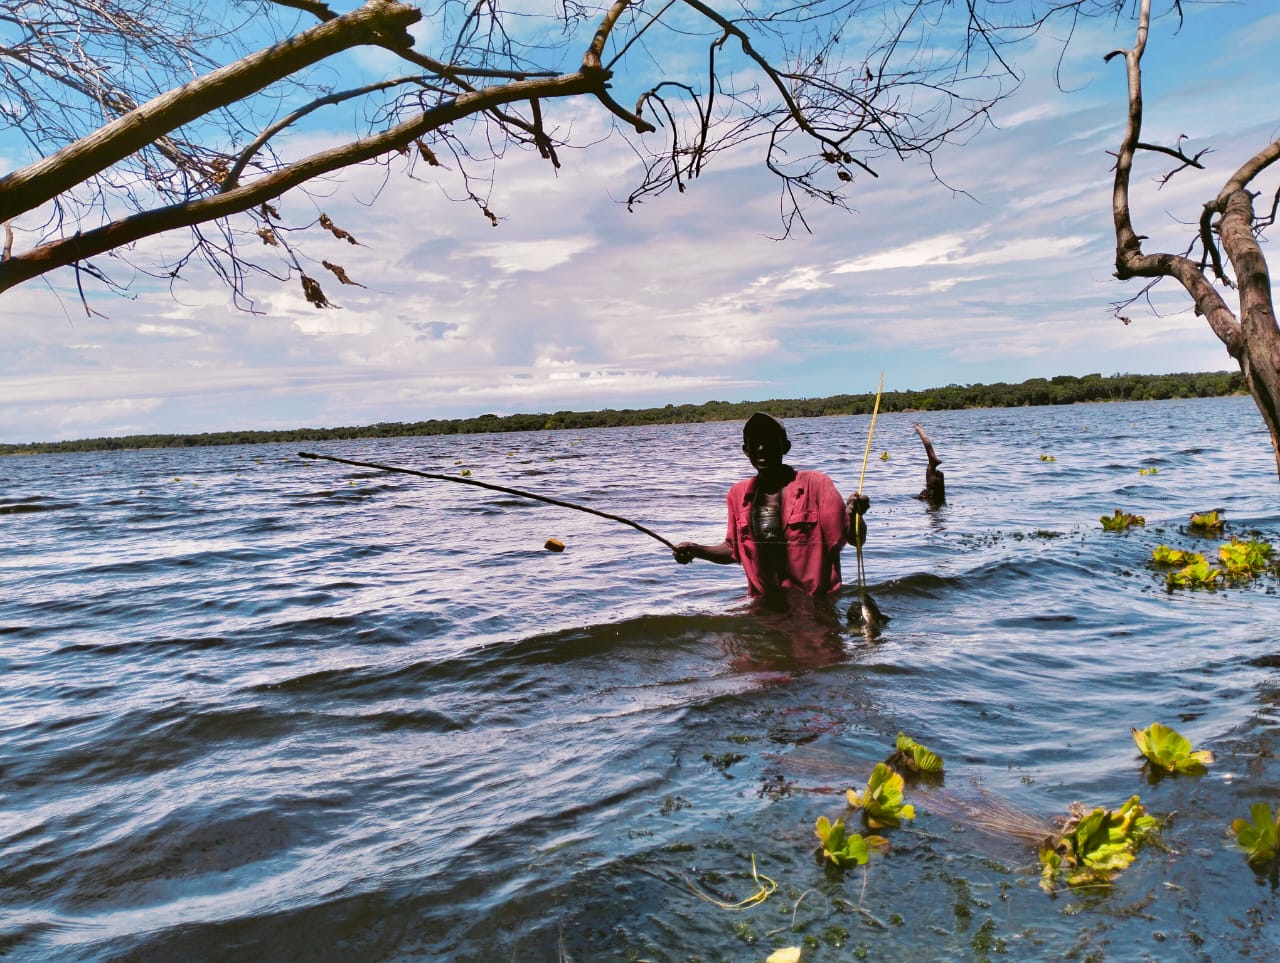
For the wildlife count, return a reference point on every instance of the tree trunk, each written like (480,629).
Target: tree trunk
(1260,358)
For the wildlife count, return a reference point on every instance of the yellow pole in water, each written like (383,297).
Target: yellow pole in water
(860,527)
(871,431)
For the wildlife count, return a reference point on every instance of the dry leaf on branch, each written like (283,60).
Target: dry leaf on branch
(340,273)
(336,231)
(313,293)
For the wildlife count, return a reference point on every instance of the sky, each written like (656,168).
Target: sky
(1003,272)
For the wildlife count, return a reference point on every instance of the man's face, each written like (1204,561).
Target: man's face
(765,449)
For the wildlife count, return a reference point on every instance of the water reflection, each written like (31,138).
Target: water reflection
(788,632)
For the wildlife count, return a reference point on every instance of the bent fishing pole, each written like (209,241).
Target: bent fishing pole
(497,488)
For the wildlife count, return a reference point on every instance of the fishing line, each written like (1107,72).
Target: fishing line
(497,488)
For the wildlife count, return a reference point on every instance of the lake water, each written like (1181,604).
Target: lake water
(255,707)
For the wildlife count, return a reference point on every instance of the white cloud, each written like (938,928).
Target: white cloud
(514,256)
(939,249)
(167,330)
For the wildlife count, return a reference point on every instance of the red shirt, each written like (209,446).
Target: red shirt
(813,517)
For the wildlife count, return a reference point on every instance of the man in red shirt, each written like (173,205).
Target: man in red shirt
(786,527)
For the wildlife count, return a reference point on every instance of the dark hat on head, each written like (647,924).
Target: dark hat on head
(762,424)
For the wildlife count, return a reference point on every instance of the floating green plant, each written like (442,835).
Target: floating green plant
(465,472)
(1240,560)
(1168,750)
(845,849)
(913,757)
(881,803)
(1164,555)
(1092,847)
(1048,458)
(1206,523)
(1259,835)
(1198,574)
(1149,471)
(1245,559)
(1121,521)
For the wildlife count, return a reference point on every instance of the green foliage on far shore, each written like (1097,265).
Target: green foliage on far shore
(1062,390)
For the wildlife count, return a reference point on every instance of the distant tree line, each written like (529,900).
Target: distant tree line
(1062,390)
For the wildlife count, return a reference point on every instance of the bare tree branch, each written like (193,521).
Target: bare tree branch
(1252,338)
(381,23)
(142,117)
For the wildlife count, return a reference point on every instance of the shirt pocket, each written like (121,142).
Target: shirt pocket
(802,527)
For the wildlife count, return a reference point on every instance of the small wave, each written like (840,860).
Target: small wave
(134,648)
(418,720)
(504,665)
(37,503)
(139,743)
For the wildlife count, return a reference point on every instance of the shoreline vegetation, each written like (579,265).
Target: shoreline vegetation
(1061,390)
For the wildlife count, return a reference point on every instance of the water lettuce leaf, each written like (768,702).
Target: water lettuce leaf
(842,848)
(1095,846)
(1206,522)
(1244,559)
(1164,555)
(1199,574)
(1259,835)
(1120,521)
(881,803)
(914,757)
(1167,749)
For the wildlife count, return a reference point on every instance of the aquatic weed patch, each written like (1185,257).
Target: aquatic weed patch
(1121,521)
(1092,847)
(1239,562)
(1206,523)
(1259,835)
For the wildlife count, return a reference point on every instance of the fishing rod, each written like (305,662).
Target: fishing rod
(870,432)
(497,488)
(860,527)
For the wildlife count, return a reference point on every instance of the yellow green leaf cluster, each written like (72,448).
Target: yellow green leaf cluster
(1095,847)
(1206,522)
(1121,521)
(912,756)
(1259,835)
(882,804)
(1164,555)
(1198,574)
(1240,560)
(1168,750)
(1244,559)
(843,848)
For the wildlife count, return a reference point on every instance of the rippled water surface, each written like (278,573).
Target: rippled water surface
(255,707)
